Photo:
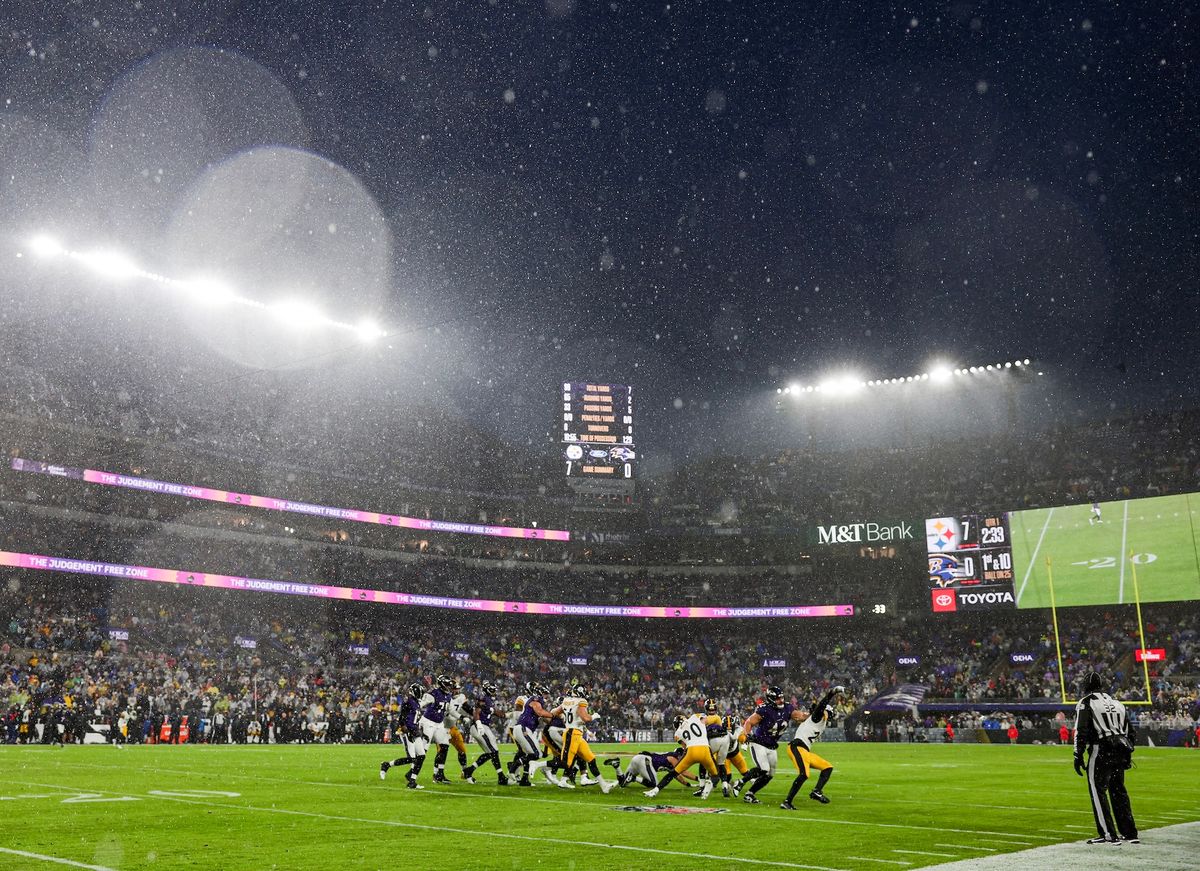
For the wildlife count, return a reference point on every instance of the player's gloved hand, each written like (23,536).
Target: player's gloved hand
(742,738)
(1079,765)
(595,718)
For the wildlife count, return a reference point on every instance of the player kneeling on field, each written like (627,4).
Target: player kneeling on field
(812,725)
(694,737)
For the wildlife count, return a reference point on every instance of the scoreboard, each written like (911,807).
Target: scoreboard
(597,431)
(970,562)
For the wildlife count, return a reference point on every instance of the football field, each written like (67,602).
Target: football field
(1091,562)
(302,807)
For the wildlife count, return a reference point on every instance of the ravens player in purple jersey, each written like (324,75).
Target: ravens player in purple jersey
(482,714)
(526,733)
(642,767)
(434,705)
(762,730)
(410,732)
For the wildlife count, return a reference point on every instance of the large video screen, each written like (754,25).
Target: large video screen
(1096,549)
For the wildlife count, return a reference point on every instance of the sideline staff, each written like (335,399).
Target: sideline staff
(1103,729)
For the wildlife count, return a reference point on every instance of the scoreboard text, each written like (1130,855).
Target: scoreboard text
(597,430)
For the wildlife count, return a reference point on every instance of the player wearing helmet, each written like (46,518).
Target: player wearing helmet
(434,704)
(415,745)
(482,714)
(692,734)
(525,732)
(576,716)
(455,716)
(763,729)
(812,726)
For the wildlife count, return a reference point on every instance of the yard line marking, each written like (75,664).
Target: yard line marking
(881,861)
(55,859)
(512,836)
(925,853)
(760,817)
(969,847)
(1033,556)
(1079,828)
(1124,529)
(1011,841)
(573,803)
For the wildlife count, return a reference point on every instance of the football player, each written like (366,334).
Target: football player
(812,725)
(642,768)
(723,741)
(482,713)
(433,723)
(576,716)
(762,730)
(525,733)
(692,734)
(1094,517)
(454,716)
(415,745)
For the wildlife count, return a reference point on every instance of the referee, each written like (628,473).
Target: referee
(1103,730)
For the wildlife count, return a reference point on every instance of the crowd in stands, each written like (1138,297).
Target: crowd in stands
(99,648)
(412,464)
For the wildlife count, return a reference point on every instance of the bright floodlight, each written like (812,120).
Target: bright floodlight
(369,331)
(1027,363)
(939,373)
(298,315)
(844,385)
(109,264)
(46,246)
(209,291)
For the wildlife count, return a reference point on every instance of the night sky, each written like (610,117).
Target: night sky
(706,200)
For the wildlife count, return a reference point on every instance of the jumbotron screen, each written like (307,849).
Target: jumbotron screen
(1097,553)
(597,430)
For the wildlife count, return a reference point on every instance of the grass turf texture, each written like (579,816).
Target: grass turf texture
(900,805)
(1091,564)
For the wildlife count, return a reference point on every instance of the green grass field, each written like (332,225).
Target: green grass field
(1091,564)
(290,807)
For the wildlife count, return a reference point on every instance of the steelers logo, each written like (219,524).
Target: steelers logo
(574,452)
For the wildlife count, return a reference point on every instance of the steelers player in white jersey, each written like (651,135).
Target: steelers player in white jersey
(576,717)
(808,732)
(693,735)
(455,717)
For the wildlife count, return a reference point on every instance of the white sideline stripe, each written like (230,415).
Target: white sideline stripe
(881,861)
(433,792)
(55,859)
(969,847)
(1033,556)
(1124,529)
(925,853)
(455,831)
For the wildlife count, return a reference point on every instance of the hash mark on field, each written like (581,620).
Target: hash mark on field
(881,861)
(55,859)
(925,853)
(968,847)
(1008,842)
(460,831)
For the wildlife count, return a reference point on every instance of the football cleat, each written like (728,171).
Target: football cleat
(605,786)
(383,770)
(726,789)
(524,781)
(1132,840)
(442,779)
(469,779)
(751,798)
(737,788)
(787,806)
(707,789)
(588,780)
(651,793)
(698,792)
(817,795)
(412,784)
(615,763)
(1102,841)
(501,778)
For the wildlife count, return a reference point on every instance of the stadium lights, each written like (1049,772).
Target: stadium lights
(115,266)
(938,373)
